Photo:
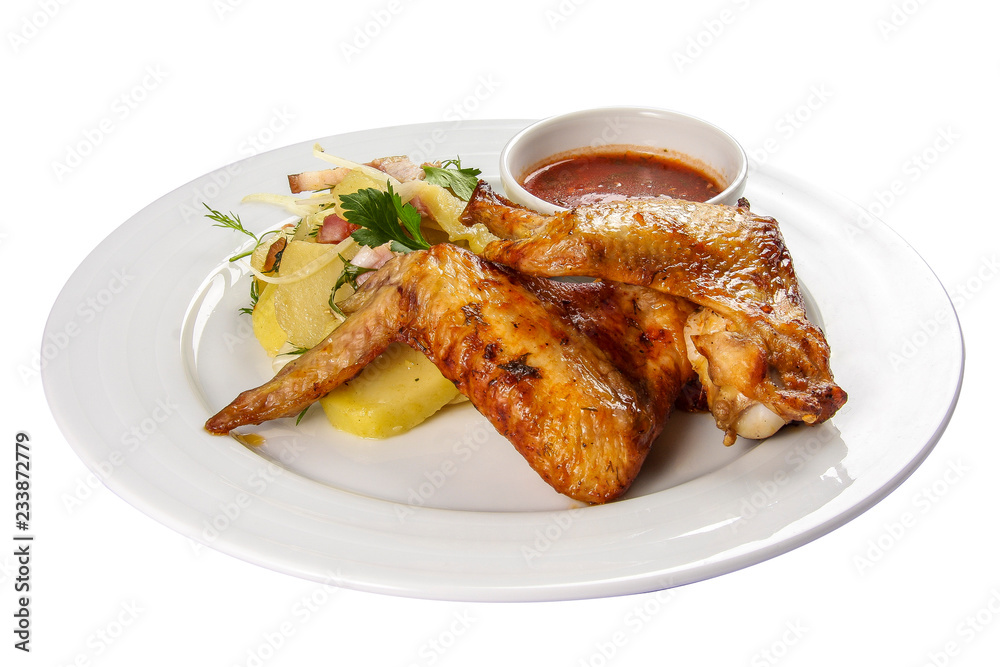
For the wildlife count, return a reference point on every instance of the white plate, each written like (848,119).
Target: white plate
(144,343)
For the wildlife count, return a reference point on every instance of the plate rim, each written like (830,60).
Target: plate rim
(467,592)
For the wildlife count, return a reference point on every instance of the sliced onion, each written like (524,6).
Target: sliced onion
(291,204)
(380,176)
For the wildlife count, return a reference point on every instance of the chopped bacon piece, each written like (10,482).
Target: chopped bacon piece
(335,229)
(421,207)
(316,180)
(274,254)
(399,167)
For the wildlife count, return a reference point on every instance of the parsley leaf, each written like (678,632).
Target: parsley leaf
(382,217)
(451,175)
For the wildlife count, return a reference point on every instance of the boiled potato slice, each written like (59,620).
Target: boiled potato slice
(268,332)
(446,209)
(394,393)
(302,308)
(354,181)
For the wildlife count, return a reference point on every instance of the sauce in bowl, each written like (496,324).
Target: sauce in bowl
(590,176)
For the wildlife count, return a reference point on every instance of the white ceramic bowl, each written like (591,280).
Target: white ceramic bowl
(687,138)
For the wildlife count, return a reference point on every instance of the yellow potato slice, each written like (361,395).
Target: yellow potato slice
(302,308)
(445,210)
(268,332)
(354,181)
(396,392)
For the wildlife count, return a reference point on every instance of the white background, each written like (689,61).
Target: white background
(842,94)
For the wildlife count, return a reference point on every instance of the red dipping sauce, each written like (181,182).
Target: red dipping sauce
(591,176)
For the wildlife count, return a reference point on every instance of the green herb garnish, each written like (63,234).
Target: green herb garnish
(254,297)
(349,276)
(451,175)
(232,221)
(302,414)
(383,217)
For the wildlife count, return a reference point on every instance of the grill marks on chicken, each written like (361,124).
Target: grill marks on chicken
(758,348)
(579,377)
(693,303)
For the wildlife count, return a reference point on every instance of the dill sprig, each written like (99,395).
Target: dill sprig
(349,276)
(232,221)
(254,297)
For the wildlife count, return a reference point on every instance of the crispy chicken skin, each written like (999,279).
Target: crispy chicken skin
(755,346)
(579,377)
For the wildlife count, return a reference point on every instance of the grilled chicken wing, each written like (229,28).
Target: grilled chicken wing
(752,346)
(579,377)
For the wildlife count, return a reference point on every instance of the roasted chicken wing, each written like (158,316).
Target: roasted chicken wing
(758,356)
(579,377)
